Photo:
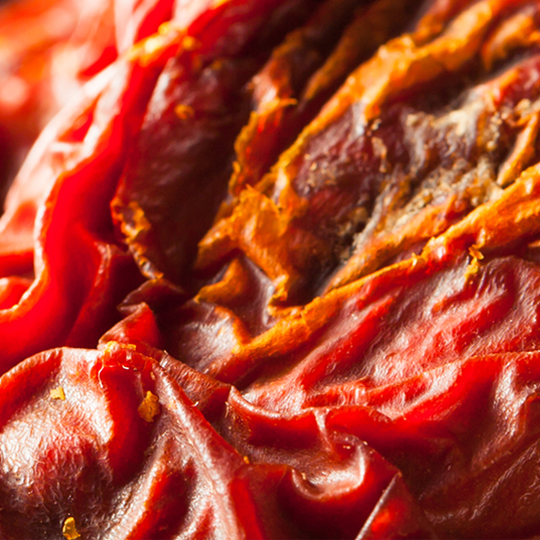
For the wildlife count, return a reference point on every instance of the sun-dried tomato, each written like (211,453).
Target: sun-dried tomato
(274,272)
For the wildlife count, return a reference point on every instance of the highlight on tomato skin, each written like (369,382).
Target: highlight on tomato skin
(269,269)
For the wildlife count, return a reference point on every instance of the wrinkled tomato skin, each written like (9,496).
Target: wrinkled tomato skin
(275,274)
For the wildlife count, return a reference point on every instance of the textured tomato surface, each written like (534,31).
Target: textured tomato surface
(272,272)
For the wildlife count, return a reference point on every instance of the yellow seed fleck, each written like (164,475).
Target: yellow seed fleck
(472,269)
(110,346)
(149,407)
(476,253)
(57,393)
(184,112)
(69,530)
(218,3)
(164,28)
(189,43)
(140,222)
(153,44)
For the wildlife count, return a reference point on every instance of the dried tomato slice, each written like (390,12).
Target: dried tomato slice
(351,350)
